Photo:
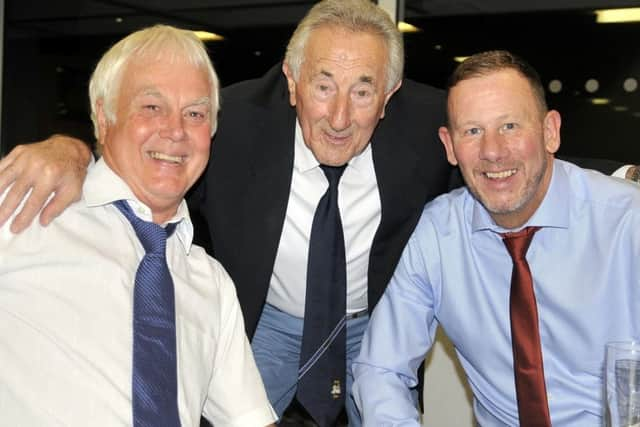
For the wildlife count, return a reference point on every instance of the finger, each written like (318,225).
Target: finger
(29,211)
(7,176)
(8,160)
(55,207)
(12,200)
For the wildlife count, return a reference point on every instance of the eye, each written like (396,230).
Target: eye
(151,107)
(363,93)
(323,90)
(472,131)
(196,115)
(509,126)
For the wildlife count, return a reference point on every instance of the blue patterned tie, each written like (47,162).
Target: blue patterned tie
(154,382)
(321,376)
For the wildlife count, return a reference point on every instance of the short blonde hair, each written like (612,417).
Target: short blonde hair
(485,63)
(162,41)
(352,15)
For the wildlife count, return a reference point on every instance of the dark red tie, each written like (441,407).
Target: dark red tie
(533,409)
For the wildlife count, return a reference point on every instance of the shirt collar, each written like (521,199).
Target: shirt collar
(304,160)
(552,212)
(103,187)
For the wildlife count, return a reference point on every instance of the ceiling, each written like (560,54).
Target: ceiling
(51,47)
(76,17)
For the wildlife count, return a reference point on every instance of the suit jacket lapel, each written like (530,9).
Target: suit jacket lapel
(271,168)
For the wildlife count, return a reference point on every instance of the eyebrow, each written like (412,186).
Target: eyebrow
(149,91)
(205,100)
(362,79)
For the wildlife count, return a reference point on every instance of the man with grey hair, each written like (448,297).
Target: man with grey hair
(342,74)
(110,316)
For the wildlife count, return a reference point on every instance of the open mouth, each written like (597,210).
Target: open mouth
(166,157)
(501,174)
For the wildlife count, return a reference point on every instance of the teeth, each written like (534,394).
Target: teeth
(165,157)
(500,175)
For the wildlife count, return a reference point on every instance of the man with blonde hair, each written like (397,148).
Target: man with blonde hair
(110,316)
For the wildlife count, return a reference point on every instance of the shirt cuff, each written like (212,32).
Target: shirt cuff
(621,172)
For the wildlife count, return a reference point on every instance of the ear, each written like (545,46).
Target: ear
(388,95)
(551,131)
(103,123)
(445,138)
(291,83)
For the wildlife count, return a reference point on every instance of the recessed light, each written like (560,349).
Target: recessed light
(612,16)
(206,36)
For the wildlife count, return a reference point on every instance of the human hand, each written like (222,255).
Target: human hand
(57,165)
(633,173)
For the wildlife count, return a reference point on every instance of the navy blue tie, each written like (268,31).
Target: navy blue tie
(154,381)
(321,377)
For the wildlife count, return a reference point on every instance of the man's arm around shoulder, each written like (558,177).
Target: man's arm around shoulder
(56,166)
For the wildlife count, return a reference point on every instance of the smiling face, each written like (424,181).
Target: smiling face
(340,94)
(503,143)
(159,143)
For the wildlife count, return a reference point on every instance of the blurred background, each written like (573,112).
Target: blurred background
(591,69)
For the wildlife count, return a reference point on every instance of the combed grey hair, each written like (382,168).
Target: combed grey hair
(353,15)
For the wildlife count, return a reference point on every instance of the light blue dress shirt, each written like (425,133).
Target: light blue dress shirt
(456,272)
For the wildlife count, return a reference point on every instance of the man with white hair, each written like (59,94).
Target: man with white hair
(110,316)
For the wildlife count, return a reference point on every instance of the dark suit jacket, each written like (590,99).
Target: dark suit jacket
(243,194)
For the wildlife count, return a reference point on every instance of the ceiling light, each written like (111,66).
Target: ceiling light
(206,36)
(630,85)
(600,101)
(460,58)
(555,86)
(407,28)
(610,16)
(591,85)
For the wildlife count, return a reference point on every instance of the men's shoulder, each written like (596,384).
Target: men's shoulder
(446,202)
(605,166)
(602,190)
(442,210)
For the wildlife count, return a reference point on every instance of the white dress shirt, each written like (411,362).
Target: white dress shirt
(66,294)
(359,203)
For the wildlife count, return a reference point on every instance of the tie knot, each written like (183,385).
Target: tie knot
(333,174)
(517,243)
(152,236)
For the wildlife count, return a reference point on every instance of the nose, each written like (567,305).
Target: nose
(493,146)
(172,127)
(340,112)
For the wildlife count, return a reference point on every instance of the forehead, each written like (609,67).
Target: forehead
(504,91)
(165,75)
(337,49)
